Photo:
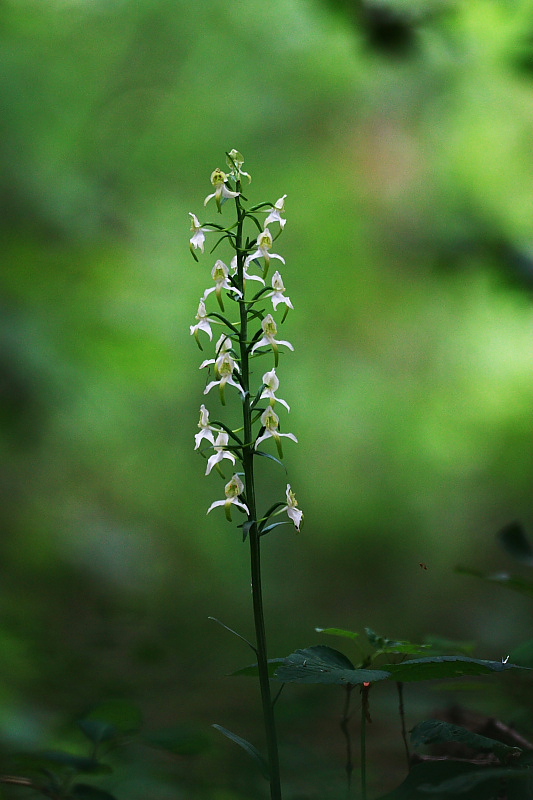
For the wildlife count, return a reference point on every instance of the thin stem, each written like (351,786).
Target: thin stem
(365,717)
(254,534)
(345,719)
(401,708)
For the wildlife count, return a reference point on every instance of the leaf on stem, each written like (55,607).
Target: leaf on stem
(250,749)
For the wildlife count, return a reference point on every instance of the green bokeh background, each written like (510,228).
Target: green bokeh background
(403,139)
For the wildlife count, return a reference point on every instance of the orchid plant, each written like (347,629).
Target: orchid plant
(243,294)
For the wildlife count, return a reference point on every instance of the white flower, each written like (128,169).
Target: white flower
(220,275)
(221,452)
(218,179)
(203,324)
(292,509)
(271,381)
(224,366)
(270,421)
(198,234)
(235,160)
(245,274)
(270,330)
(206,431)
(277,293)
(224,345)
(274,214)
(264,243)
(232,490)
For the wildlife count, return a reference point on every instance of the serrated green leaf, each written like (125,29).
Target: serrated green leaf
(519,585)
(248,747)
(83,791)
(183,740)
(514,541)
(321,664)
(437,731)
(433,667)
(253,671)
(338,632)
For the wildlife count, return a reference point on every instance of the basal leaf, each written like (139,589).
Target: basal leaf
(250,749)
(321,664)
(432,667)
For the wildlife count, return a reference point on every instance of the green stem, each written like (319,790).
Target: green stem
(253,534)
(365,716)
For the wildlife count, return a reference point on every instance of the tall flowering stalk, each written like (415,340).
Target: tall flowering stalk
(243,309)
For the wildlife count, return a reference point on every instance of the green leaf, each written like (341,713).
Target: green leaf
(432,667)
(502,578)
(253,671)
(85,792)
(321,664)
(273,458)
(250,749)
(384,645)
(338,632)
(514,541)
(182,740)
(272,526)
(436,731)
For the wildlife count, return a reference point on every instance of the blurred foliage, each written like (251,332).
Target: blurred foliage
(401,132)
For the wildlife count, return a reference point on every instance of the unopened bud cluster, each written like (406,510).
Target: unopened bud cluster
(243,286)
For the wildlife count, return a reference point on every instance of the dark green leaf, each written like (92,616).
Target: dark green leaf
(384,645)
(502,578)
(272,526)
(182,740)
(338,632)
(85,792)
(514,541)
(273,458)
(321,664)
(250,749)
(436,731)
(432,667)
